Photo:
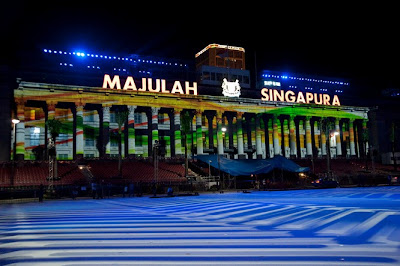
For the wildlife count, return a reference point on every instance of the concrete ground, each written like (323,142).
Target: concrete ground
(343,226)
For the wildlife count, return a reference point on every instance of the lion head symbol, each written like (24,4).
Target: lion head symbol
(230,89)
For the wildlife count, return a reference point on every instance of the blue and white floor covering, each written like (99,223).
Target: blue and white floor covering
(359,226)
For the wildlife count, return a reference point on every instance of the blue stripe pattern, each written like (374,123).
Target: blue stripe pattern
(359,226)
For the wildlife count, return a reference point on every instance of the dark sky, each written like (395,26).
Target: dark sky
(356,42)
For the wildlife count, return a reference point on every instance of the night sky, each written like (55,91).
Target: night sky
(360,43)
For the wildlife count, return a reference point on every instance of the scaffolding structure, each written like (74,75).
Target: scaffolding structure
(52,164)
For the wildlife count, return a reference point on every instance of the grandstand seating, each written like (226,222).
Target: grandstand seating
(345,167)
(29,173)
(137,171)
(5,173)
(36,173)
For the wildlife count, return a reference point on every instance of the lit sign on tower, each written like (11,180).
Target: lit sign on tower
(147,85)
(300,97)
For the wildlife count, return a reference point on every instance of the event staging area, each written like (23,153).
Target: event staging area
(280,114)
(346,226)
(86,124)
(74,113)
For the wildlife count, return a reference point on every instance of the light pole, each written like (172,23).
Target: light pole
(333,135)
(51,146)
(326,126)
(14,121)
(209,169)
(155,157)
(221,177)
(372,157)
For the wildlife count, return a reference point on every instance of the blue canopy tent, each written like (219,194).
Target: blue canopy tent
(249,167)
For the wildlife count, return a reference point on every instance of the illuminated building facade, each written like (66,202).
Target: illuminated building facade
(156,93)
(224,56)
(216,62)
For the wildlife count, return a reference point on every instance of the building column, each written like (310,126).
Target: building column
(51,110)
(270,138)
(106,129)
(356,138)
(365,131)
(154,124)
(317,134)
(345,138)
(239,126)
(220,139)
(292,132)
(206,142)
(131,130)
(214,130)
(187,115)
(199,132)
(229,134)
(234,134)
(258,138)
(338,142)
(276,129)
(263,139)
(351,133)
(177,132)
(20,132)
(144,137)
(79,130)
(308,137)
(302,139)
(323,137)
(193,134)
(42,134)
(170,136)
(225,133)
(252,135)
(209,116)
(286,141)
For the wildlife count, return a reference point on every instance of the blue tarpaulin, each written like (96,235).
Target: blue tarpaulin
(248,167)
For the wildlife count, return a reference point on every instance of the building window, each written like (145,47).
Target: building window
(89,142)
(113,143)
(162,119)
(63,156)
(220,62)
(246,80)
(89,117)
(206,75)
(219,77)
(112,118)
(213,76)
(62,139)
(138,118)
(34,136)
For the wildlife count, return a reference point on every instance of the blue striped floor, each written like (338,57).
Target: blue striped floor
(359,226)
